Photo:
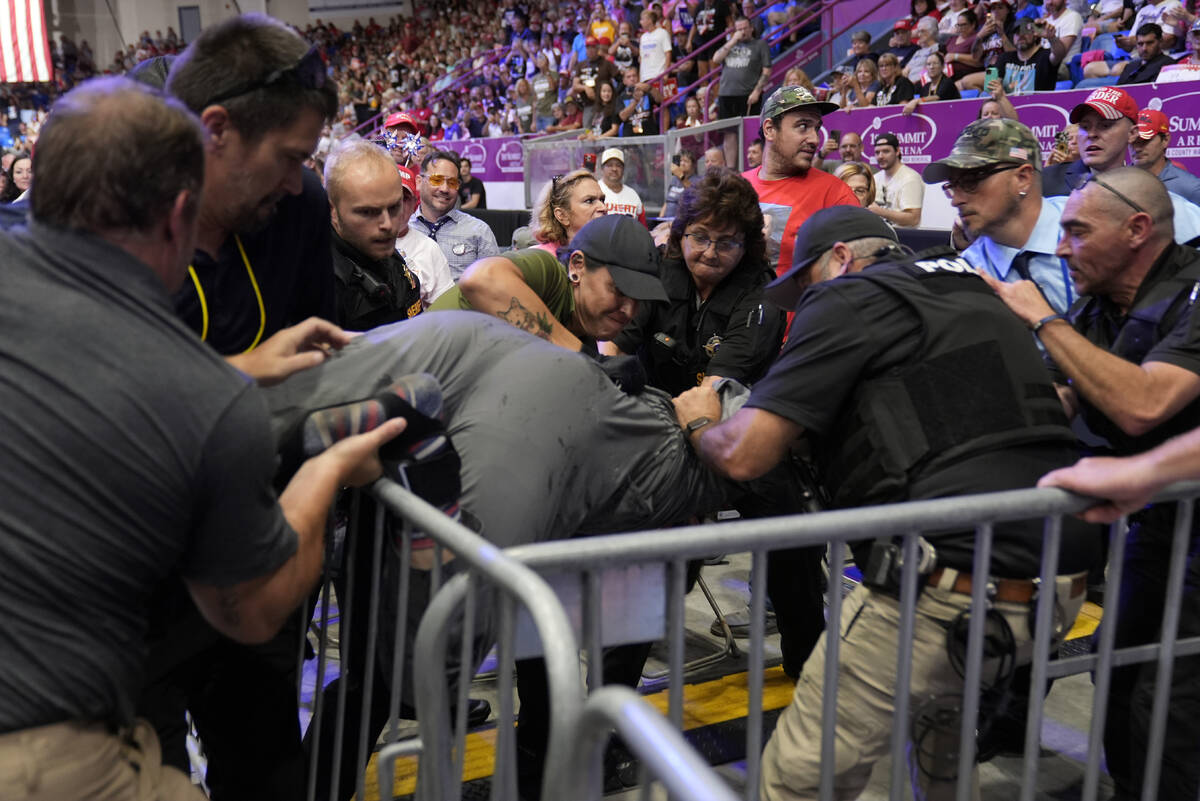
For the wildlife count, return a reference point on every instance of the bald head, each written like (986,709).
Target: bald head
(354,159)
(1139,186)
(366,197)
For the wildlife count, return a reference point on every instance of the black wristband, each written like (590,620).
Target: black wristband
(1048,319)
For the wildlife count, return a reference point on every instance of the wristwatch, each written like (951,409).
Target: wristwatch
(697,424)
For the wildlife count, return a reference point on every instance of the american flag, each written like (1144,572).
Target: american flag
(24,54)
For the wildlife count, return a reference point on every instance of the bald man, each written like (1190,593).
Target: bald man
(1131,354)
(367,212)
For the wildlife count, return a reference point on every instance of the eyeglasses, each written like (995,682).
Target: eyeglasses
(725,247)
(308,72)
(969,181)
(1092,179)
(438,180)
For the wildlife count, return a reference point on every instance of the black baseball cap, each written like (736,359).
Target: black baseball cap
(887,139)
(623,245)
(819,233)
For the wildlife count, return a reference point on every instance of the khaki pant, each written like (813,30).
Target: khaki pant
(78,761)
(791,762)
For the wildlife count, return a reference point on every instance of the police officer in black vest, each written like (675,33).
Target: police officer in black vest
(910,381)
(367,210)
(1128,360)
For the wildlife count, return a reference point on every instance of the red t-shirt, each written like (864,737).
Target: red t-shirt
(793,200)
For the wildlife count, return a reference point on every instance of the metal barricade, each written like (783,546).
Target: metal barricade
(700,138)
(660,748)
(478,568)
(647,169)
(591,558)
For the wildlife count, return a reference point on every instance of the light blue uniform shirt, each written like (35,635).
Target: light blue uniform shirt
(1048,271)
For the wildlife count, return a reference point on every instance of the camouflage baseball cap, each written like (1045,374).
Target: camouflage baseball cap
(987,142)
(790,98)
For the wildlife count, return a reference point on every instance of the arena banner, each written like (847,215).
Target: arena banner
(498,159)
(929,135)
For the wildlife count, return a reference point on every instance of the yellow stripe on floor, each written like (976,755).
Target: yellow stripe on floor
(480,763)
(704,704)
(1086,623)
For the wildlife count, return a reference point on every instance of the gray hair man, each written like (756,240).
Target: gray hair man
(1127,359)
(174,475)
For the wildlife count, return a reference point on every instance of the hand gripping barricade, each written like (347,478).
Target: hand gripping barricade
(592,558)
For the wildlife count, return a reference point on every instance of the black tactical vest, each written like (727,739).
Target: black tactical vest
(974,383)
(371,294)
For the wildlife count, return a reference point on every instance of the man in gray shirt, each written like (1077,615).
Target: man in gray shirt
(463,238)
(745,69)
(131,451)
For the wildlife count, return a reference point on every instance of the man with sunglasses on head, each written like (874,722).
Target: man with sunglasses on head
(885,342)
(1127,359)
(463,239)
(259,279)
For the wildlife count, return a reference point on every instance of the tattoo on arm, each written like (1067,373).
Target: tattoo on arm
(535,323)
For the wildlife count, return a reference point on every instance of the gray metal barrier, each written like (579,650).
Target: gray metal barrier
(593,557)
(660,748)
(647,158)
(480,568)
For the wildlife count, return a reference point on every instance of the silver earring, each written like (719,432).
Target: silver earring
(573,278)
(1022,195)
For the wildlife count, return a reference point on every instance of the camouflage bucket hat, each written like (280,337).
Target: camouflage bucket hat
(790,98)
(987,142)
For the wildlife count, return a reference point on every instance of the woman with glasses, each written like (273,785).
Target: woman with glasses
(857,176)
(715,321)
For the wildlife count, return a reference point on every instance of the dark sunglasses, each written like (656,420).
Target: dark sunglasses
(308,72)
(969,181)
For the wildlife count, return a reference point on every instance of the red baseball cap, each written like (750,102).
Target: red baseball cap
(603,41)
(403,118)
(1110,103)
(1151,122)
(902,25)
(409,176)
(591,41)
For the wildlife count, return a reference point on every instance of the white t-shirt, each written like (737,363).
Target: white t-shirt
(900,192)
(655,48)
(948,21)
(1152,12)
(1069,23)
(425,258)
(626,202)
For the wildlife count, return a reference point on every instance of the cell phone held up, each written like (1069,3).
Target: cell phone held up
(989,75)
